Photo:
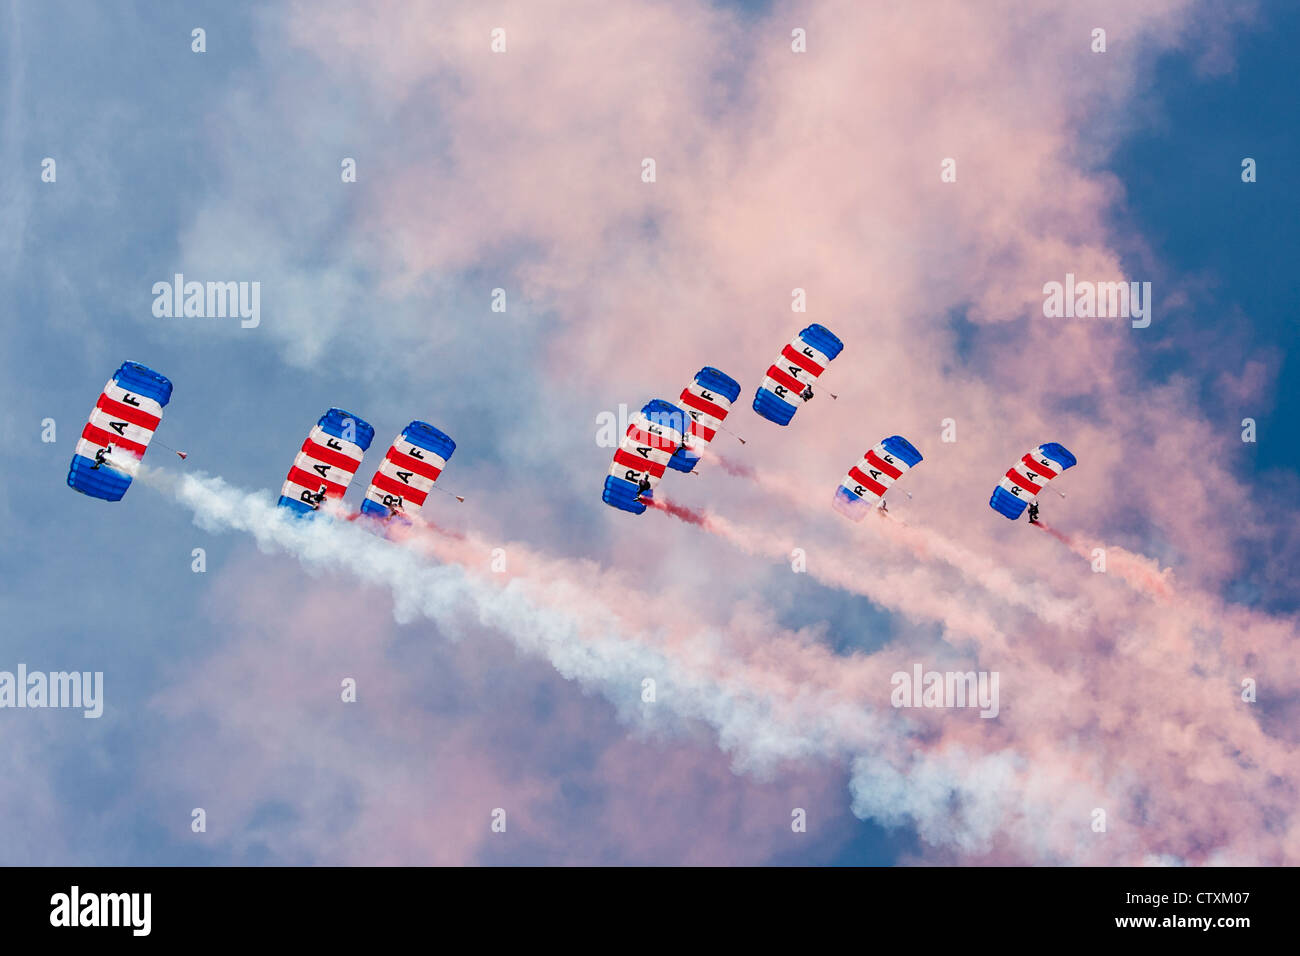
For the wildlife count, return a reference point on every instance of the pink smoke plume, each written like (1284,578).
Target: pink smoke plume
(1140,571)
(732,467)
(689,515)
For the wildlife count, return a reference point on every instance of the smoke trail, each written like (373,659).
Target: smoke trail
(1141,573)
(924,544)
(837,569)
(734,468)
(1042,525)
(760,721)
(772,482)
(404,526)
(779,701)
(689,515)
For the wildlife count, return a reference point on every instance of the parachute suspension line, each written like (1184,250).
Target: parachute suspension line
(459,498)
(731,433)
(182,454)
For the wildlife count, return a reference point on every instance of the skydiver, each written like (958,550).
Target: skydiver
(101,457)
(806,394)
(642,487)
(883,508)
(315,499)
(1033,513)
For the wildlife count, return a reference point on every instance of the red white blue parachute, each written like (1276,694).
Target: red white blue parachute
(654,434)
(707,400)
(406,475)
(323,468)
(788,383)
(121,425)
(867,481)
(1026,478)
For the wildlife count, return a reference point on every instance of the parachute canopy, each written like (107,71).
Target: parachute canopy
(121,424)
(653,435)
(707,400)
(867,481)
(798,365)
(406,475)
(1026,478)
(327,461)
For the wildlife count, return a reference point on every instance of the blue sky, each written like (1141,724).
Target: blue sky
(1200,221)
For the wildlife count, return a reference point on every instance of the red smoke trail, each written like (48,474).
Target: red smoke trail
(1000,584)
(689,515)
(769,481)
(736,468)
(1058,535)
(437,529)
(401,528)
(1138,571)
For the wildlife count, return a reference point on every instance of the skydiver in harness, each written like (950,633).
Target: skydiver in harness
(807,393)
(101,457)
(1033,513)
(642,487)
(315,499)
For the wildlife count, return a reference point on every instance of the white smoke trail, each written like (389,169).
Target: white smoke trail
(761,718)
(559,622)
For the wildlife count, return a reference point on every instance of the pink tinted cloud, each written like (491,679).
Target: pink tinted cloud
(818,171)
